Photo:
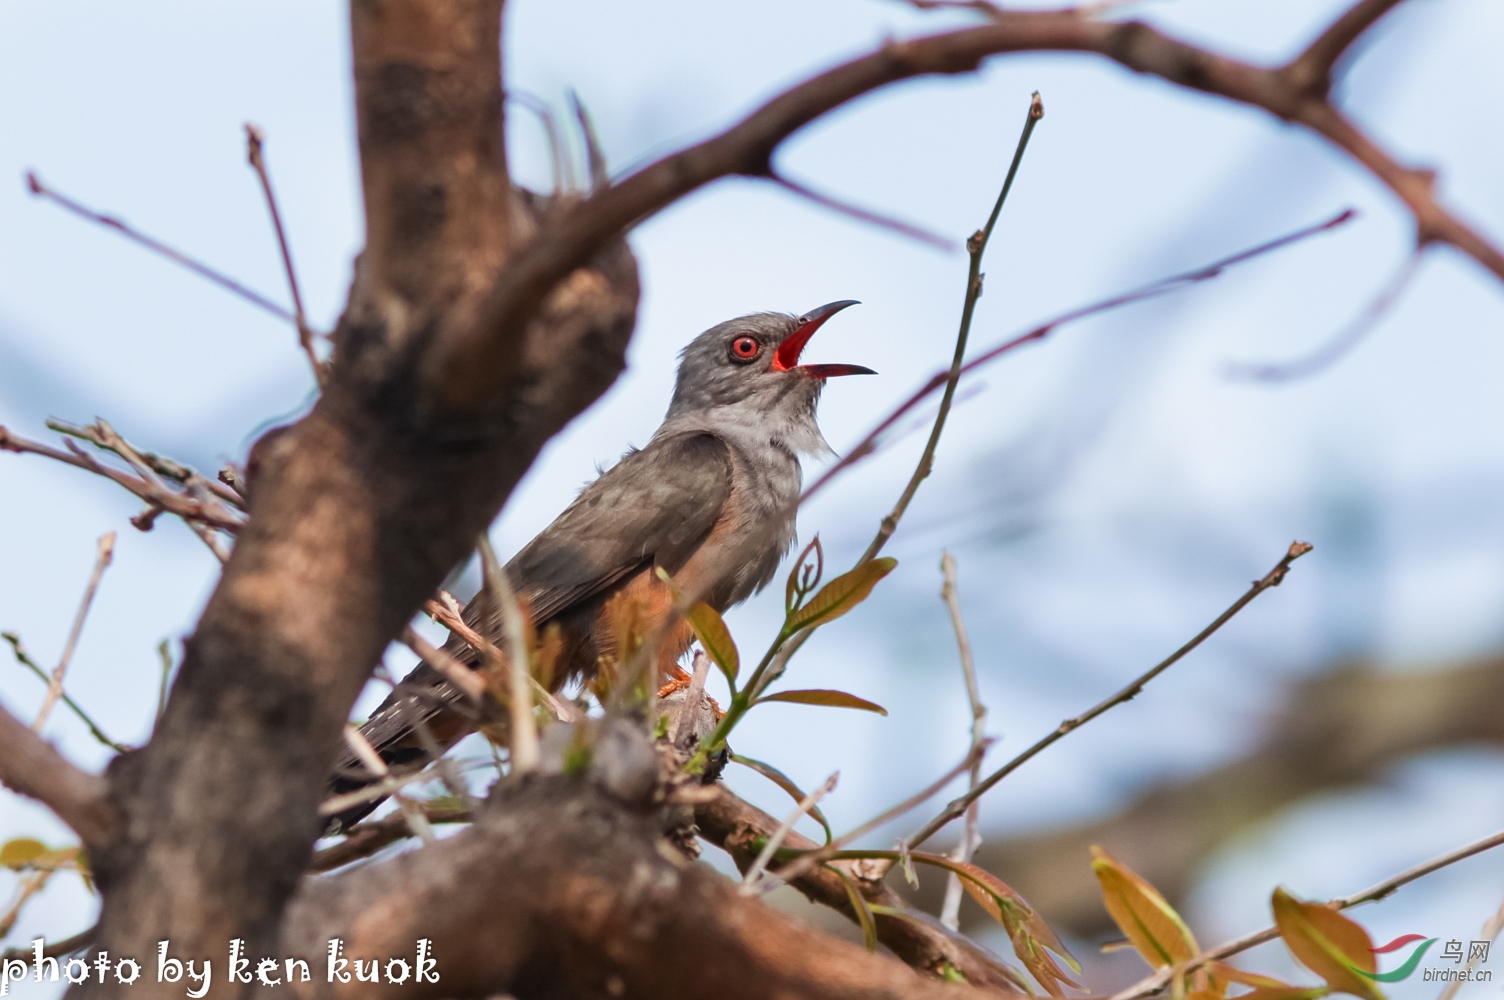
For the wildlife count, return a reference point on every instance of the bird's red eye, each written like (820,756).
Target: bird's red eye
(745,348)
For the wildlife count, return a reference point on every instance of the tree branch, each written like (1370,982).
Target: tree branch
(1311,72)
(469,362)
(30,766)
(958,807)
(740,829)
(559,890)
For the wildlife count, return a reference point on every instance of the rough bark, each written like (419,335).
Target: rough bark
(559,890)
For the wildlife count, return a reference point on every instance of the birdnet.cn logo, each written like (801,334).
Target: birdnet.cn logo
(1476,955)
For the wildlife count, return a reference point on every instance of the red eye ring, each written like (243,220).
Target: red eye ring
(745,348)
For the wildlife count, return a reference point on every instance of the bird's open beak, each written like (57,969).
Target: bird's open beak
(786,358)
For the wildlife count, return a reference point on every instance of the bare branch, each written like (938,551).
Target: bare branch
(30,766)
(254,139)
(474,359)
(1157,982)
(750,878)
(556,875)
(58,949)
(1345,340)
(524,731)
(956,808)
(24,658)
(55,683)
(207,511)
(1311,71)
(740,829)
(971,838)
(872,218)
(461,676)
(34,183)
(365,839)
(805,862)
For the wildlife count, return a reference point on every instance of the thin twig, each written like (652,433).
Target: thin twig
(57,949)
(750,879)
(365,839)
(805,862)
(164,651)
(907,229)
(207,510)
(1157,982)
(29,887)
(156,246)
(747,543)
(461,676)
(254,139)
(976,247)
(563,166)
(971,837)
(24,658)
(1152,290)
(1346,339)
(411,813)
(1271,579)
(684,728)
(55,685)
(179,473)
(1491,928)
(447,612)
(524,731)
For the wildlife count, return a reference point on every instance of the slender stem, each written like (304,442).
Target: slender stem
(524,734)
(971,838)
(24,658)
(156,246)
(55,685)
(754,872)
(976,248)
(806,862)
(1157,982)
(254,139)
(1271,579)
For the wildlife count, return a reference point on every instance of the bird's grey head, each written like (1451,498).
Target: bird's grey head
(744,375)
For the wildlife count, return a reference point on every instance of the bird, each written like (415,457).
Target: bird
(708,502)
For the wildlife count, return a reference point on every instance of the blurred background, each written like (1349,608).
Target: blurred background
(1106,493)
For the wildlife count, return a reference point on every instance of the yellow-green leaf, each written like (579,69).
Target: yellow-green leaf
(783,781)
(841,594)
(713,634)
(1152,925)
(21,852)
(860,907)
(817,696)
(1030,935)
(1327,943)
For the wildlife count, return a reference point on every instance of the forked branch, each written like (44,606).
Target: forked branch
(30,766)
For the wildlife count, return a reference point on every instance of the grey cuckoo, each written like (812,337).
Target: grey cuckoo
(721,472)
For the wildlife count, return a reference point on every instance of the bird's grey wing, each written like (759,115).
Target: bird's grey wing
(655,505)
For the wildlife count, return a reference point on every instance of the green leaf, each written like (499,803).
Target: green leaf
(711,630)
(841,594)
(834,699)
(1327,943)
(783,781)
(860,908)
(1030,935)
(1151,924)
(17,854)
